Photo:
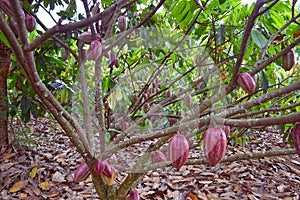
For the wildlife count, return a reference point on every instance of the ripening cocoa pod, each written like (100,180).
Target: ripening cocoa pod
(296,137)
(288,60)
(214,145)
(17,86)
(99,166)
(95,50)
(134,194)
(226,130)
(5,4)
(87,37)
(107,169)
(145,96)
(246,81)
(135,98)
(146,107)
(65,53)
(117,63)
(173,121)
(188,100)
(158,157)
(30,23)
(169,93)
(122,23)
(110,180)
(81,172)
(178,150)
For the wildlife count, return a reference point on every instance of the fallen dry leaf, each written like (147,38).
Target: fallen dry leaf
(18,186)
(32,174)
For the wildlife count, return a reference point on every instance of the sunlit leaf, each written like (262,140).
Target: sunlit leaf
(33,172)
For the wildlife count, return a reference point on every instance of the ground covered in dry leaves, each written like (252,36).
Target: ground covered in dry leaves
(41,166)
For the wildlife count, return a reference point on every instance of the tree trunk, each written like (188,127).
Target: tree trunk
(4,65)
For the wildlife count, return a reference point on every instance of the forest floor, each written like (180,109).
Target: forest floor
(41,166)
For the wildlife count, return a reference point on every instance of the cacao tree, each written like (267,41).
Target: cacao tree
(168,73)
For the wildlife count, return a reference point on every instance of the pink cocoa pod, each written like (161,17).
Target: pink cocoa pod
(173,121)
(178,150)
(107,169)
(135,98)
(288,60)
(122,23)
(87,37)
(146,107)
(5,4)
(246,81)
(134,194)
(169,93)
(214,145)
(30,23)
(145,96)
(296,137)
(226,130)
(81,173)
(158,157)
(188,100)
(99,166)
(110,180)
(95,50)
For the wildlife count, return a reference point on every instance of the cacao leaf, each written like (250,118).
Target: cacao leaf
(264,81)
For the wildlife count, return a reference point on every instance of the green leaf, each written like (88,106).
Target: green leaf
(3,39)
(258,38)
(264,81)
(107,137)
(179,7)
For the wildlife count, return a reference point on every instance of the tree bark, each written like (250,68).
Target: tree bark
(4,66)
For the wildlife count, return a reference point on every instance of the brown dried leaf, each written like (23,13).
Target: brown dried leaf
(33,172)
(18,186)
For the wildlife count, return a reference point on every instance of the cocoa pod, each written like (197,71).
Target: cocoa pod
(99,166)
(246,81)
(30,23)
(169,93)
(288,60)
(188,100)
(110,180)
(226,130)
(81,172)
(95,50)
(107,169)
(145,96)
(17,86)
(5,4)
(158,157)
(87,37)
(178,150)
(146,107)
(122,23)
(214,145)
(296,137)
(135,98)
(117,63)
(134,194)
(173,121)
